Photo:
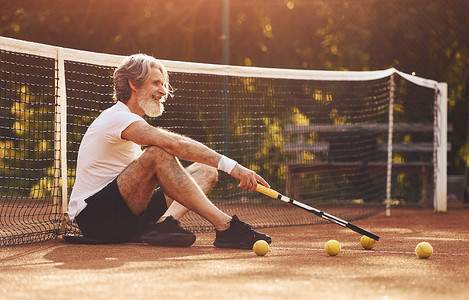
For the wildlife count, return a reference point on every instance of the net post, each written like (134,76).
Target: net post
(389,147)
(440,148)
(62,104)
(55,192)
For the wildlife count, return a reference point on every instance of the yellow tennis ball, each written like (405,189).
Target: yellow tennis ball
(332,248)
(260,247)
(367,242)
(424,250)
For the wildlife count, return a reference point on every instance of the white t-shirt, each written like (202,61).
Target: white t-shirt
(103,154)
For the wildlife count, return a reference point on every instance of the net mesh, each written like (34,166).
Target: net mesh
(29,210)
(250,123)
(322,142)
(413,144)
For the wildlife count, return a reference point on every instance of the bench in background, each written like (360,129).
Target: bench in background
(424,168)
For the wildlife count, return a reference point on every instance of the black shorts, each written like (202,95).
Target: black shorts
(108,217)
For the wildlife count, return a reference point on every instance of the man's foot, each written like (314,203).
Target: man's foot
(167,233)
(239,236)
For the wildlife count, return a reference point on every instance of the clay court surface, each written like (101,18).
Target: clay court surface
(295,268)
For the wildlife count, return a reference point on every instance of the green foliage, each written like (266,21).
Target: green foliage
(425,37)
(27,152)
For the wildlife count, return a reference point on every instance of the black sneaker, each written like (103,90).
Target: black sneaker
(167,233)
(239,236)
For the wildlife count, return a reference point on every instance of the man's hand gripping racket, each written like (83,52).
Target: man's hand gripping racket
(276,195)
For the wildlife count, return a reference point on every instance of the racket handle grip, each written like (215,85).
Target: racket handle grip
(266,191)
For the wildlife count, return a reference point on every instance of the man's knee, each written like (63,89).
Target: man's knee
(204,172)
(211,173)
(157,157)
(209,178)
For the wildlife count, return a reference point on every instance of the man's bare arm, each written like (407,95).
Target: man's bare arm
(187,149)
(180,146)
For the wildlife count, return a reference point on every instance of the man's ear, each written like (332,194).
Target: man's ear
(132,86)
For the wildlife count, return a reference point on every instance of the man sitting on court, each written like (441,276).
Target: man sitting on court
(124,194)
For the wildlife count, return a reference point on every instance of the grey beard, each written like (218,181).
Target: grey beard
(152,107)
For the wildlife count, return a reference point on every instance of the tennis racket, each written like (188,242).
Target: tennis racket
(276,195)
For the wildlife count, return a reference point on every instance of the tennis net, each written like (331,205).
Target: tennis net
(348,143)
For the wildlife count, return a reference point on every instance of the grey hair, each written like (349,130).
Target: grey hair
(137,69)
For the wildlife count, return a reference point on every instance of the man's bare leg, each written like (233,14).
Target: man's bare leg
(156,166)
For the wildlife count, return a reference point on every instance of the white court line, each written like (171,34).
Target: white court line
(347,250)
(314,249)
(369,251)
(342,250)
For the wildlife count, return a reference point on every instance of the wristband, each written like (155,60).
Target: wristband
(226,164)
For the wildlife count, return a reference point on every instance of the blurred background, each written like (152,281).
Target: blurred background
(428,38)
